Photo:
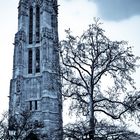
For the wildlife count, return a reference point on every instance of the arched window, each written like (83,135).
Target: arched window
(31,136)
(37,24)
(30,105)
(36,105)
(37,60)
(30,61)
(31,25)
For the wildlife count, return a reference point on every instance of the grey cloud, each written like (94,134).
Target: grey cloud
(118,9)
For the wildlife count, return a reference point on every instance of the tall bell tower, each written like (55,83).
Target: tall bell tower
(36,84)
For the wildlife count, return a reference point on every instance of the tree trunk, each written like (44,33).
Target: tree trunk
(91,118)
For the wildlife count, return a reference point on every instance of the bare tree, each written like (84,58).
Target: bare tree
(25,125)
(86,62)
(104,131)
(4,126)
(22,124)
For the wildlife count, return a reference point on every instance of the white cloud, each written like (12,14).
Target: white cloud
(76,15)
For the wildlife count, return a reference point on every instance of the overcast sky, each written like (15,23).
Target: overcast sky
(120,18)
(118,10)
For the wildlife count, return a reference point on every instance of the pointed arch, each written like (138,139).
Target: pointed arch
(32,136)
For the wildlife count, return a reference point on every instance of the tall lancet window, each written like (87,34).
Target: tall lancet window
(31,25)
(37,24)
(30,61)
(37,60)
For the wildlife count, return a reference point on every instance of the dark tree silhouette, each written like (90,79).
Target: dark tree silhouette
(23,125)
(4,126)
(104,131)
(86,62)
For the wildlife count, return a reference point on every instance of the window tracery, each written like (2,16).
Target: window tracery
(31,25)
(37,24)
(30,55)
(37,60)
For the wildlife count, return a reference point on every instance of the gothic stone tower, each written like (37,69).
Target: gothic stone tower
(36,81)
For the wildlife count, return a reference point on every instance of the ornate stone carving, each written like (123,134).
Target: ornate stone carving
(47,33)
(47,6)
(19,84)
(55,7)
(20,36)
(22,9)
